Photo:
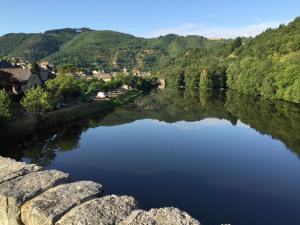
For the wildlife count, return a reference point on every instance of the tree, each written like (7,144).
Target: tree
(37,101)
(5,103)
(35,68)
(181,80)
(147,83)
(6,80)
(237,43)
(205,81)
(63,85)
(66,69)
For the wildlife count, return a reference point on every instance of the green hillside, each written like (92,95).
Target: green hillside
(34,46)
(100,49)
(267,65)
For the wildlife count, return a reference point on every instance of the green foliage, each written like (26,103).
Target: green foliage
(104,50)
(147,83)
(35,68)
(37,101)
(112,85)
(93,87)
(5,103)
(67,69)
(269,65)
(34,46)
(64,85)
(237,43)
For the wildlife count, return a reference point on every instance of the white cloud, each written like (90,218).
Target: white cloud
(216,32)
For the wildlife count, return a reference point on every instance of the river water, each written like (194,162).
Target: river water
(223,158)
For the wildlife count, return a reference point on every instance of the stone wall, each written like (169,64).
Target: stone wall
(30,195)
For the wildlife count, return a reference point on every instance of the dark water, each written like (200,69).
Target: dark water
(223,159)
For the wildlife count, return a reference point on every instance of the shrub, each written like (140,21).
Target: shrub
(4,104)
(36,101)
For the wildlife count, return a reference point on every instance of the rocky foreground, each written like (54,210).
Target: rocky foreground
(30,195)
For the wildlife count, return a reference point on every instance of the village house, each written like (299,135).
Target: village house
(22,79)
(24,64)
(46,66)
(44,75)
(5,64)
(138,73)
(103,76)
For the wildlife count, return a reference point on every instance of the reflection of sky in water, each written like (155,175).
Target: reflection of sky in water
(215,151)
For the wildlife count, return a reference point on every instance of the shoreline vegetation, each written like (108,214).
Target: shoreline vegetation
(67,96)
(32,121)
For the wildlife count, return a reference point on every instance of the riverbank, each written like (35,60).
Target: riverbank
(30,121)
(30,195)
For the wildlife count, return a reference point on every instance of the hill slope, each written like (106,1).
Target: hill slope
(35,46)
(267,65)
(102,49)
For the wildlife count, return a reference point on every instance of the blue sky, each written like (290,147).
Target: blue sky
(210,18)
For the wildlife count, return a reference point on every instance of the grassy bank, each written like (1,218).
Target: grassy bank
(67,115)
(82,110)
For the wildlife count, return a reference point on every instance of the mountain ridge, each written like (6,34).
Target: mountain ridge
(104,48)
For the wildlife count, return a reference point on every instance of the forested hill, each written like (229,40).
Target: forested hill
(267,65)
(35,46)
(100,49)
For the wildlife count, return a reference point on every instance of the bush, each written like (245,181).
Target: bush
(146,84)
(64,85)
(4,104)
(37,101)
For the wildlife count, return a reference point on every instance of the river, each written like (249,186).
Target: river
(223,158)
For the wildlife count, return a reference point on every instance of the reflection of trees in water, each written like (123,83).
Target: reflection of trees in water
(69,138)
(281,120)
(41,147)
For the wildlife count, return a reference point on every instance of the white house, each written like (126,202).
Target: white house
(102,95)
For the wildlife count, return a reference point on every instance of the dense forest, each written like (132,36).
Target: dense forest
(267,65)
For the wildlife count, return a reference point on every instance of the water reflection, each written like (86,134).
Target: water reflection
(278,119)
(208,154)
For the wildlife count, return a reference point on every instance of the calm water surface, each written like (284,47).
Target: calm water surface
(223,159)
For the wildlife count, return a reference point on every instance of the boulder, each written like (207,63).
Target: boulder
(163,216)
(108,210)
(10,169)
(15,192)
(51,205)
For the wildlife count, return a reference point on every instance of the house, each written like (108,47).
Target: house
(47,70)
(125,87)
(24,64)
(6,81)
(44,65)
(5,64)
(23,79)
(102,95)
(103,76)
(44,75)
(125,71)
(162,83)
(88,72)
